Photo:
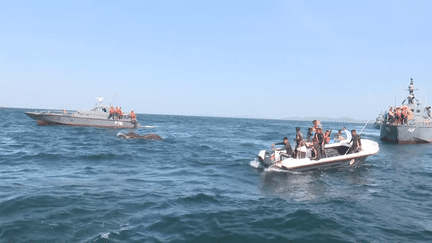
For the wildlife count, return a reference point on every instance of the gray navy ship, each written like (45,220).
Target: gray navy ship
(99,116)
(416,128)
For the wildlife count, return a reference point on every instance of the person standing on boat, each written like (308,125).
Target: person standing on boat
(111,113)
(121,113)
(298,140)
(116,113)
(318,142)
(316,125)
(132,115)
(405,113)
(398,116)
(299,137)
(310,134)
(356,142)
(287,147)
(327,135)
(390,117)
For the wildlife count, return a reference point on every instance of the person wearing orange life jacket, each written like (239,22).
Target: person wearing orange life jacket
(115,113)
(111,113)
(121,113)
(132,115)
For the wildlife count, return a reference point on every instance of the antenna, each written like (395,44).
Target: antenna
(112,100)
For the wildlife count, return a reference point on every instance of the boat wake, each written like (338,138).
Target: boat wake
(257,164)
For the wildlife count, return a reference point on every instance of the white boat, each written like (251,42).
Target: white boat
(335,156)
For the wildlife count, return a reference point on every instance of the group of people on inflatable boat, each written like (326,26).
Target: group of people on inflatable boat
(316,140)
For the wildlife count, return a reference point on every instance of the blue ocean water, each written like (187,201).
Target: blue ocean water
(83,184)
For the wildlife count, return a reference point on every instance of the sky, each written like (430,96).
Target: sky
(249,59)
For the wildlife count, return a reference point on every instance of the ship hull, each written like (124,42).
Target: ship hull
(405,134)
(70,120)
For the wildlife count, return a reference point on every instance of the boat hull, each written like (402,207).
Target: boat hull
(336,157)
(71,120)
(405,134)
(351,161)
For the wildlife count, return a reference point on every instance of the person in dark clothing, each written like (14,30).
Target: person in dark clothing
(356,142)
(318,143)
(327,135)
(299,137)
(309,134)
(288,149)
(298,140)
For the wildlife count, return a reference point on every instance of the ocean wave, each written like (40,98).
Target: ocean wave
(200,198)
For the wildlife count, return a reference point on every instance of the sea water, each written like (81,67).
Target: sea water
(201,183)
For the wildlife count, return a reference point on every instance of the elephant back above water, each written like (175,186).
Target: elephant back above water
(150,136)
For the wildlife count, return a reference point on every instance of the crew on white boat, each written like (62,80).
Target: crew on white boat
(338,137)
(356,142)
(327,135)
(299,141)
(318,143)
(316,124)
(310,134)
(287,147)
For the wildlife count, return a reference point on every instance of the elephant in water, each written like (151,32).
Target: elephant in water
(150,136)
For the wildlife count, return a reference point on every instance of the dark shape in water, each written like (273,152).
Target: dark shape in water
(150,136)
(418,128)
(95,117)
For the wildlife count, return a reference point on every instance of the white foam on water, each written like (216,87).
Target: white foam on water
(148,126)
(277,169)
(255,163)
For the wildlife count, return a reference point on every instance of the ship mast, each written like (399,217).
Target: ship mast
(411,97)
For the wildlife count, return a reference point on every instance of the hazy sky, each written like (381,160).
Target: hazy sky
(260,59)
